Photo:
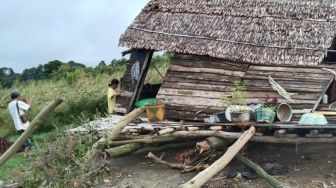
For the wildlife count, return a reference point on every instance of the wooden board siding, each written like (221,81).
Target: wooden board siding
(193,85)
(308,83)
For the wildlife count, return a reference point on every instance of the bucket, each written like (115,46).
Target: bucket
(264,115)
(155,112)
(332,106)
(284,112)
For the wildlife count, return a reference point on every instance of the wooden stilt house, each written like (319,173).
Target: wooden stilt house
(219,41)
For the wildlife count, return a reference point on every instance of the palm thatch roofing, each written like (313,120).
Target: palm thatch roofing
(286,32)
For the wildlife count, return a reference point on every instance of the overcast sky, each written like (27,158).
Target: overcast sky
(86,31)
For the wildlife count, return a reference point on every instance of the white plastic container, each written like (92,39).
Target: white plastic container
(325,99)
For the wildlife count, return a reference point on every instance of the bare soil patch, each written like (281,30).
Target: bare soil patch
(312,165)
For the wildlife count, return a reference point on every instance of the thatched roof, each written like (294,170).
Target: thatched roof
(286,32)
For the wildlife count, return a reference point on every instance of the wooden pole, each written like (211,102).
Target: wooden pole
(139,85)
(261,172)
(204,176)
(114,132)
(30,130)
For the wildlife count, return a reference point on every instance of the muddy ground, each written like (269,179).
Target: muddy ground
(308,166)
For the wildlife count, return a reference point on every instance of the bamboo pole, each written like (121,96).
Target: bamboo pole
(123,150)
(261,172)
(204,176)
(30,130)
(113,133)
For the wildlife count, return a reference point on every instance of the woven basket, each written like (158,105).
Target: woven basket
(264,115)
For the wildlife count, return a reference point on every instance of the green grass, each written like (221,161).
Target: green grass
(6,171)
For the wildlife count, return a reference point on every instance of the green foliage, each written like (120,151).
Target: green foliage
(238,99)
(7,77)
(161,64)
(56,165)
(83,96)
(14,162)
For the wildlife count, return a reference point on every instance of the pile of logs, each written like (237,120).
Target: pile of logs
(118,141)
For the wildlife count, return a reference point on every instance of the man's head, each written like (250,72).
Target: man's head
(114,83)
(15,95)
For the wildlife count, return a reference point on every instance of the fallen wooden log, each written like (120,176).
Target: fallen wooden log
(113,133)
(166,131)
(204,176)
(184,167)
(30,130)
(149,140)
(212,143)
(123,150)
(260,171)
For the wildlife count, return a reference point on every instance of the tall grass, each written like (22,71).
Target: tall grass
(82,89)
(82,96)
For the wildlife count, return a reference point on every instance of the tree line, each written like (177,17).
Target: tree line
(46,71)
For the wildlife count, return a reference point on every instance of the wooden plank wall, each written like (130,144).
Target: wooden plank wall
(193,85)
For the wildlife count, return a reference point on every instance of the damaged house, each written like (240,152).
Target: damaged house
(216,42)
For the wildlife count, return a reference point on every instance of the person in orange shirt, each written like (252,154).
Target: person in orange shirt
(112,94)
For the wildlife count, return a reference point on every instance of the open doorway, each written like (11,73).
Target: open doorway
(331,54)
(158,67)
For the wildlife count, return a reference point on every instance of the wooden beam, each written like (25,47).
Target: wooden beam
(139,85)
(236,135)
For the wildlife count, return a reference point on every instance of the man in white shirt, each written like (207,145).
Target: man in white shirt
(17,107)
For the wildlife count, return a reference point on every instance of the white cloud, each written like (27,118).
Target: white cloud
(86,31)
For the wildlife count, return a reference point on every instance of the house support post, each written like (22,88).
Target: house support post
(141,81)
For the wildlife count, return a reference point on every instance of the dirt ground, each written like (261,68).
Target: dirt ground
(308,166)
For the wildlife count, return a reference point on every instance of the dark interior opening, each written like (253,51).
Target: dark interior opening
(331,92)
(149,91)
(331,55)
